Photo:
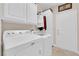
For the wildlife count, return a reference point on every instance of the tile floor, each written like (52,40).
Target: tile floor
(61,52)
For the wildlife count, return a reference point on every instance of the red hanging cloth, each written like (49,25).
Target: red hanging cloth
(45,25)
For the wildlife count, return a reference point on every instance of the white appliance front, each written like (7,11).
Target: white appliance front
(25,43)
(33,48)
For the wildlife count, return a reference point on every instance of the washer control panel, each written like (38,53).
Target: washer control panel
(12,33)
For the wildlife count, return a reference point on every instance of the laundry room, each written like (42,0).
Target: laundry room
(39,29)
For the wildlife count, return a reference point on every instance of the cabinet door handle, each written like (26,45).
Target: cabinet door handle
(40,51)
(32,43)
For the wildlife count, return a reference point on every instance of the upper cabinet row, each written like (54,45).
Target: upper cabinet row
(21,12)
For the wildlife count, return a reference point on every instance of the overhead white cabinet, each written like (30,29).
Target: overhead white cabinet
(32,13)
(15,12)
(25,13)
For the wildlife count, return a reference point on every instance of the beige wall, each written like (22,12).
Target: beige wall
(15,26)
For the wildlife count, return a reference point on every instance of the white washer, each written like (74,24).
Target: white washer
(25,43)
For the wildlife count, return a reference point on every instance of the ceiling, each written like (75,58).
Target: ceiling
(43,6)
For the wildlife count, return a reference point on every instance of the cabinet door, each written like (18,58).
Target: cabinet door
(66,30)
(16,11)
(36,49)
(32,13)
(47,43)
